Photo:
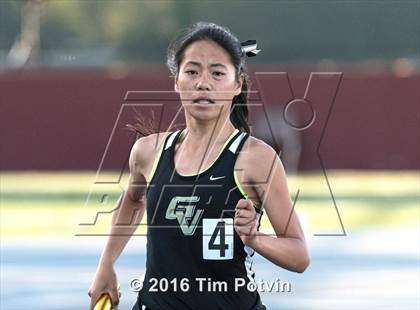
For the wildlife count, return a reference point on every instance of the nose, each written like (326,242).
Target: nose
(203,83)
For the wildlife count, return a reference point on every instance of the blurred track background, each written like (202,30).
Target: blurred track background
(66,68)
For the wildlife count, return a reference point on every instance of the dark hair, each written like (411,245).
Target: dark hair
(227,40)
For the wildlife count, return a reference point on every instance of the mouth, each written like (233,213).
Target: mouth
(203,100)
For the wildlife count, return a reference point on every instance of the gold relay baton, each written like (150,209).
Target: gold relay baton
(104,302)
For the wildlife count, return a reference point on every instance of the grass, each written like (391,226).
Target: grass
(49,204)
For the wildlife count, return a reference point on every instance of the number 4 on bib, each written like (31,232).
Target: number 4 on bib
(218,238)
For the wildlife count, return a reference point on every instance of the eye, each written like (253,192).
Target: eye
(218,73)
(190,71)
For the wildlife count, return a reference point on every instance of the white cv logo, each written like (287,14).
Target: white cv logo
(216,178)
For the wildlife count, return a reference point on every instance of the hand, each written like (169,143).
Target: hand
(105,281)
(245,221)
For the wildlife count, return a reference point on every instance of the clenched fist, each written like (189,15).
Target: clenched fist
(245,221)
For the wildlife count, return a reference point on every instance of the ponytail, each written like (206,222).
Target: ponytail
(239,109)
(143,126)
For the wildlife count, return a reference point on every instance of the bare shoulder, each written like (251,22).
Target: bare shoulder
(256,158)
(146,148)
(255,150)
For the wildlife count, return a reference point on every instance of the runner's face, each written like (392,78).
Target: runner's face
(207,71)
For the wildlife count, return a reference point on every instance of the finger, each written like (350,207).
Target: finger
(244,219)
(241,220)
(244,222)
(246,226)
(243,203)
(114,297)
(242,232)
(248,230)
(248,213)
(93,300)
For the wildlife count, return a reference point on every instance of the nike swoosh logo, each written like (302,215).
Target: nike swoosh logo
(216,178)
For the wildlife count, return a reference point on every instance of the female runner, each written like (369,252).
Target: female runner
(205,188)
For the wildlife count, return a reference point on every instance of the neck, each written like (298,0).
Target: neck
(202,135)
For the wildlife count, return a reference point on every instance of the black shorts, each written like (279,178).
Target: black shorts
(139,306)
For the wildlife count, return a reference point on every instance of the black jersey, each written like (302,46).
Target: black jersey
(195,258)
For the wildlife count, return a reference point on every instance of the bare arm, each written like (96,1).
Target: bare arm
(288,248)
(130,211)
(125,219)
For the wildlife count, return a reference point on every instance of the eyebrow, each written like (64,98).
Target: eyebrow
(198,64)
